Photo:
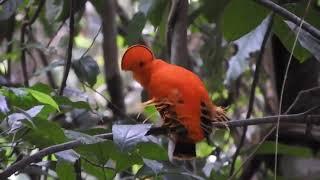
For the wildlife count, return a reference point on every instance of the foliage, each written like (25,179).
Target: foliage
(36,117)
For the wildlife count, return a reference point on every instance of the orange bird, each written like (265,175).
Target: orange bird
(178,94)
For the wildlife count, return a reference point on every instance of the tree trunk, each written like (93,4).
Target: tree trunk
(110,53)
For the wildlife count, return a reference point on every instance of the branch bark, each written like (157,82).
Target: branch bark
(177,34)
(22,41)
(110,53)
(69,52)
(252,91)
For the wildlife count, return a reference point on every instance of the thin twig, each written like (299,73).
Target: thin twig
(92,42)
(283,86)
(22,41)
(290,16)
(55,34)
(252,91)
(69,52)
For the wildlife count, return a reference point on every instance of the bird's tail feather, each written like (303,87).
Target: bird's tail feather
(184,150)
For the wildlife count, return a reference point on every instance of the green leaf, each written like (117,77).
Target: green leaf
(287,38)
(45,133)
(98,153)
(203,149)
(125,160)
(238,19)
(151,112)
(306,40)
(152,151)
(98,172)
(44,88)
(64,101)
(65,170)
(87,69)
(268,147)
(135,28)
(43,98)
(213,9)
(19,97)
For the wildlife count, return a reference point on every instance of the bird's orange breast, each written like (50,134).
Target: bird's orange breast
(182,88)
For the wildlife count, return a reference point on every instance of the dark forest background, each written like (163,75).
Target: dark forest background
(67,111)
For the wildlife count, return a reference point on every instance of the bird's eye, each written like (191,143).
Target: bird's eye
(141,64)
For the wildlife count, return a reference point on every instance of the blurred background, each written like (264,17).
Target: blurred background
(240,49)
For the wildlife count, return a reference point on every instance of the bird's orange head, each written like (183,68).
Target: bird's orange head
(136,58)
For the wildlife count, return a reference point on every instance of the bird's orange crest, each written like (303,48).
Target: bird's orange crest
(136,56)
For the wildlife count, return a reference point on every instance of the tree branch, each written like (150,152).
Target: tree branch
(290,16)
(22,41)
(44,152)
(177,34)
(301,118)
(252,91)
(110,55)
(69,52)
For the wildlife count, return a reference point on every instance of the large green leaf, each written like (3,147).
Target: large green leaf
(212,9)
(66,102)
(19,97)
(152,151)
(287,37)
(98,153)
(42,88)
(238,18)
(43,98)
(45,133)
(306,40)
(98,172)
